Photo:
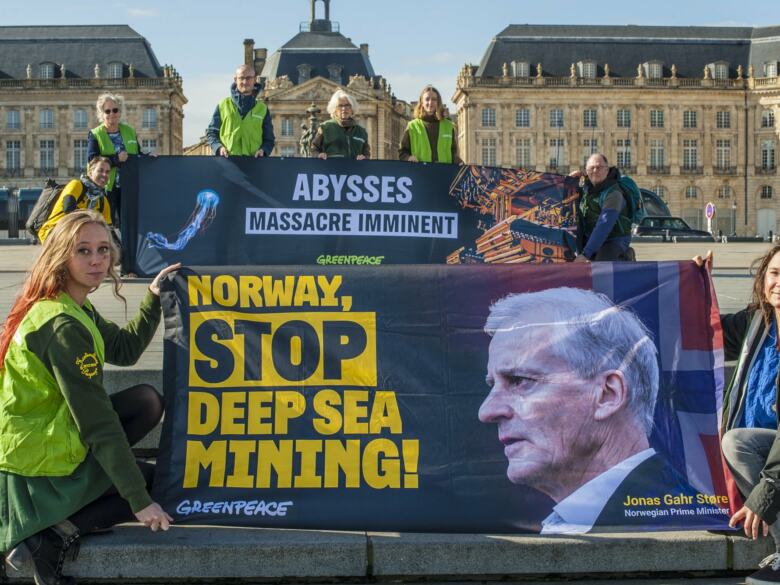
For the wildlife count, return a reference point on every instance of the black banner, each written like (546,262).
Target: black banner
(356,398)
(243,211)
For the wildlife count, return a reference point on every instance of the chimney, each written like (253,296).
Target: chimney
(249,49)
(364,48)
(260,57)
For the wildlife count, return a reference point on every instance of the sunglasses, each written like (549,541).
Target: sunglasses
(111,111)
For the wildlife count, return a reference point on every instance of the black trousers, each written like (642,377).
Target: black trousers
(140,408)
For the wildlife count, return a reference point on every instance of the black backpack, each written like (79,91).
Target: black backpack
(42,208)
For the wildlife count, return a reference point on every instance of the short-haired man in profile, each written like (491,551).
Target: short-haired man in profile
(605,220)
(573,383)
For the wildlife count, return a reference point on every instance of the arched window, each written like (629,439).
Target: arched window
(724,192)
(766,192)
(691,192)
(116,70)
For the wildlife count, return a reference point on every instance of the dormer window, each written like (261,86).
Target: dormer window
(587,69)
(115,70)
(770,69)
(304,72)
(334,71)
(47,70)
(719,70)
(654,69)
(521,69)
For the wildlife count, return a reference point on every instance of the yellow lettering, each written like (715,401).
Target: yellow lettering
(225,290)
(278,457)
(289,404)
(354,411)
(307,477)
(306,292)
(344,457)
(202,413)
(199,289)
(385,413)
(198,456)
(240,477)
(324,402)
(232,409)
(249,292)
(329,290)
(381,465)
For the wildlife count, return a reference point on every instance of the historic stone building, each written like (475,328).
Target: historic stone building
(50,78)
(687,111)
(309,68)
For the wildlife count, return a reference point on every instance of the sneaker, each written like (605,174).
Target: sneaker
(768,573)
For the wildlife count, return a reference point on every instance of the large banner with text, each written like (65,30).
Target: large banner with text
(550,399)
(244,211)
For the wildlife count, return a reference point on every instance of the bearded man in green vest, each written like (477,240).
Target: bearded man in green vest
(241,124)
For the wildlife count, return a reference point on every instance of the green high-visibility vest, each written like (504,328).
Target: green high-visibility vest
(107,147)
(241,136)
(421,146)
(38,436)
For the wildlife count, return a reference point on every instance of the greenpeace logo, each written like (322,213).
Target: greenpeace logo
(233,508)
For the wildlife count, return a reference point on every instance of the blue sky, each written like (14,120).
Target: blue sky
(411,43)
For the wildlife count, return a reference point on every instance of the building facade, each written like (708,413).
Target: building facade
(688,112)
(306,71)
(50,79)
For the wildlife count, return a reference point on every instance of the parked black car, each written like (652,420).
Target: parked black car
(654,225)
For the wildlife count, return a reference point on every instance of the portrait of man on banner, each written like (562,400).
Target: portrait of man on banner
(573,384)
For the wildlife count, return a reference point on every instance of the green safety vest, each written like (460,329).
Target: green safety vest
(107,147)
(421,146)
(241,136)
(38,436)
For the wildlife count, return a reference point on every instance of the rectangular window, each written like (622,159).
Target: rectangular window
(12,120)
(489,117)
(624,118)
(723,119)
(768,119)
(723,154)
(79,155)
(771,69)
(589,119)
(149,145)
(524,153)
(489,152)
(690,119)
(720,71)
(13,155)
(768,154)
(287,127)
(557,153)
(523,118)
(624,153)
(287,151)
(654,70)
(589,70)
(47,155)
(80,120)
(115,70)
(690,154)
(47,119)
(657,154)
(556,118)
(589,146)
(149,119)
(520,68)
(656,118)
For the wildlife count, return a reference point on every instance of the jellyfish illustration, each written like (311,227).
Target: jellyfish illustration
(204,213)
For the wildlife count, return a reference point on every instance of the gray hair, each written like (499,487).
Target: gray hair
(101,101)
(337,96)
(592,335)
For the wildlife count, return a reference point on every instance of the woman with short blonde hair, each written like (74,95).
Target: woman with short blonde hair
(341,136)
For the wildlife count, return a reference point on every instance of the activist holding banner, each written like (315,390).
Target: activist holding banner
(241,124)
(116,141)
(573,384)
(751,439)
(341,136)
(605,216)
(66,467)
(87,192)
(430,137)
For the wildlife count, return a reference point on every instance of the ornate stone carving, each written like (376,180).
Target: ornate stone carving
(640,71)
(573,71)
(674,71)
(539,70)
(606,70)
(707,74)
(505,70)
(97,70)
(740,71)
(29,71)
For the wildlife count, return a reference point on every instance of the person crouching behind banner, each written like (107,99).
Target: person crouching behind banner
(87,192)
(66,467)
(430,137)
(750,436)
(341,136)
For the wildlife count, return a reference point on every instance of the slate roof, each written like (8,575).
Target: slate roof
(78,47)
(318,49)
(690,48)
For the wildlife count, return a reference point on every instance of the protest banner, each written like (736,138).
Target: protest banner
(212,211)
(355,397)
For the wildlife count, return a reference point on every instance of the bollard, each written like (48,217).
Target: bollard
(724,239)
(13,214)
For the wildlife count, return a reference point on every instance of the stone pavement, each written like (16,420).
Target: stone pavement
(193,554)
